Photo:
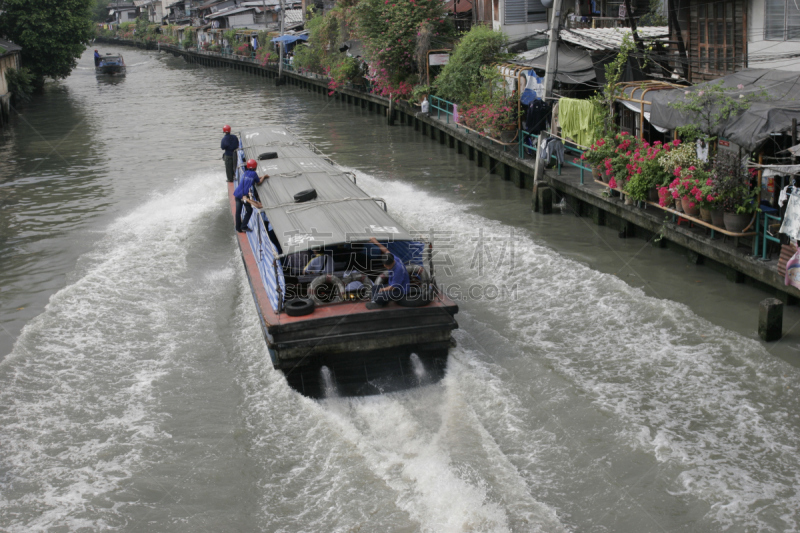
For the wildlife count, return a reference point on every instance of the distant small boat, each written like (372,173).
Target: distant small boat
(110,65)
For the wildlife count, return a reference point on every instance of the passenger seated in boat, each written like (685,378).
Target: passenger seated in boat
(397,280)
(320,263)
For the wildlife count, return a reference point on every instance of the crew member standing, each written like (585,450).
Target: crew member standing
(96,58)
(249,178)
(230,143)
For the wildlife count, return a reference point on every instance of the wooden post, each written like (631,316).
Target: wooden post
(770,319)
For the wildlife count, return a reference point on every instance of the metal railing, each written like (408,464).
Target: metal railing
(569,152)
(443,106)
(765,235)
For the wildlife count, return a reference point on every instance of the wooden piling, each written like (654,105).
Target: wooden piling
(770,319)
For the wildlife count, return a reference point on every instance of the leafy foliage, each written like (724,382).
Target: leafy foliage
(654,16)
(491,118)
(462,76)
(20,83)
(52,33)
(711,105)
(389,30)
(732,184)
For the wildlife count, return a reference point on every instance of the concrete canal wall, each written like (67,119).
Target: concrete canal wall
(583,196)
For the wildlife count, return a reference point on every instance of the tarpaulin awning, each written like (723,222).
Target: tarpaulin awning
(573,64)
(289,39)
(776,101)
(635,96)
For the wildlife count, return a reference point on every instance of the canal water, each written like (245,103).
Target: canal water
(599,384)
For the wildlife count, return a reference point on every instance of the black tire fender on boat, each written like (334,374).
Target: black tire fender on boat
(299,307)
(418,275)
(365,292)
(326,279)
(418,296)
(268,155)
(358,276)
(305,196)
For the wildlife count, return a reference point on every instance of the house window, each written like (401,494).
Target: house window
(715,36)
(524,11)
(782,20)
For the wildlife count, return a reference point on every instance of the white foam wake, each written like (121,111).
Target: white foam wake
(79,411)
(714,407)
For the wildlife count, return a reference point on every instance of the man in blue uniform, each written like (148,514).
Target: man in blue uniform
(230,143)
(249,178)
(397,282)
(96,58)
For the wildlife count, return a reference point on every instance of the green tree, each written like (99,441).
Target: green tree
(100,10)
(52,33)
(463,75)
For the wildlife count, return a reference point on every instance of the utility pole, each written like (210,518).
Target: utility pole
(549,78)
(280,49)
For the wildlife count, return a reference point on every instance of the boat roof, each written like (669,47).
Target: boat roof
(341,213)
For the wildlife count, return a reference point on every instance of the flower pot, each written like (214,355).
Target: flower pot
(718,217)
(605,177)
(652,194)
(705,214)
(629,200)
(737,223)
(678,206)
(690,210)
(597,174)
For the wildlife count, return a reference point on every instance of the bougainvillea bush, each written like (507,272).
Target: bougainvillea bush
(492,118)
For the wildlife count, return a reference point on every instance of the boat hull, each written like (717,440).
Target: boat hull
(113,70)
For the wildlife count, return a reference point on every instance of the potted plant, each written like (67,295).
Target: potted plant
(645,172)
(596,156)
(419,93)
(692,187)
(732,186)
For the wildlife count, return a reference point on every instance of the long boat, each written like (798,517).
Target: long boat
(111,65)
(311,264)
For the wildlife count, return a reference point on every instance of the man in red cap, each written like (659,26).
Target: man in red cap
(249,178)
(230,143)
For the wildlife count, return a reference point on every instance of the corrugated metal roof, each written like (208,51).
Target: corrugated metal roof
(7,47)
(609,38)
(226,13)
(341,213)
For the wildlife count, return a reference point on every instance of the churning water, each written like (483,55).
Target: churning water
(137,394)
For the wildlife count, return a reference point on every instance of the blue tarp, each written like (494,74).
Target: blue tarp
(288,39)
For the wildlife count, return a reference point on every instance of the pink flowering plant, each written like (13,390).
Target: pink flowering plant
(492,118)
(692,184)
(598,152)
(645,172)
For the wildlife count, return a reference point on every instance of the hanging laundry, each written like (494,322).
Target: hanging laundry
(552,147)
(579,121)
(536,116)
(793,271)
(254,42)
(534,89)
(791,220)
